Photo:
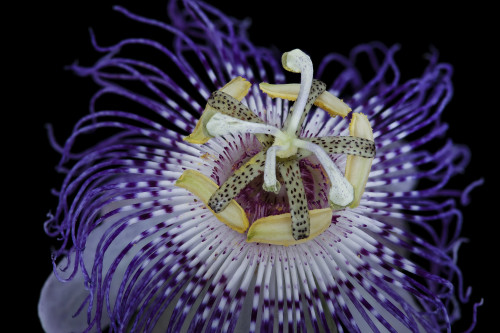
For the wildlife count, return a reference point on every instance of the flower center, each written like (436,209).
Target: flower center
(285,144)
(282,150)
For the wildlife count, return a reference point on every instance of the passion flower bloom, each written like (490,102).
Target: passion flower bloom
(231,200)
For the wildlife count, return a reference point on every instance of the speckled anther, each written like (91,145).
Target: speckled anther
(349,145)
(236,182)
(226,104)
(282,149)
(236,88)
(297,201)
(230,106)
(203,188)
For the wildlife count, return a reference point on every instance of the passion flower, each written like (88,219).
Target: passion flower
(231,210)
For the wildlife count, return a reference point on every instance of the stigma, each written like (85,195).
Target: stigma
(282,150)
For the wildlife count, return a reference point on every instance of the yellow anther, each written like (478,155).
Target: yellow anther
(277,229)
(326,101)
(237,88)
(203,187)
(357,168)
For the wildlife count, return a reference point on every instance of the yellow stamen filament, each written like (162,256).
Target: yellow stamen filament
(328,102)
(277,229)
(357,168)
(203,187)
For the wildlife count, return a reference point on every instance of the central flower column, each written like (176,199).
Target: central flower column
(281,150)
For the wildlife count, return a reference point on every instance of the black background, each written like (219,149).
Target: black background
(45,37)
